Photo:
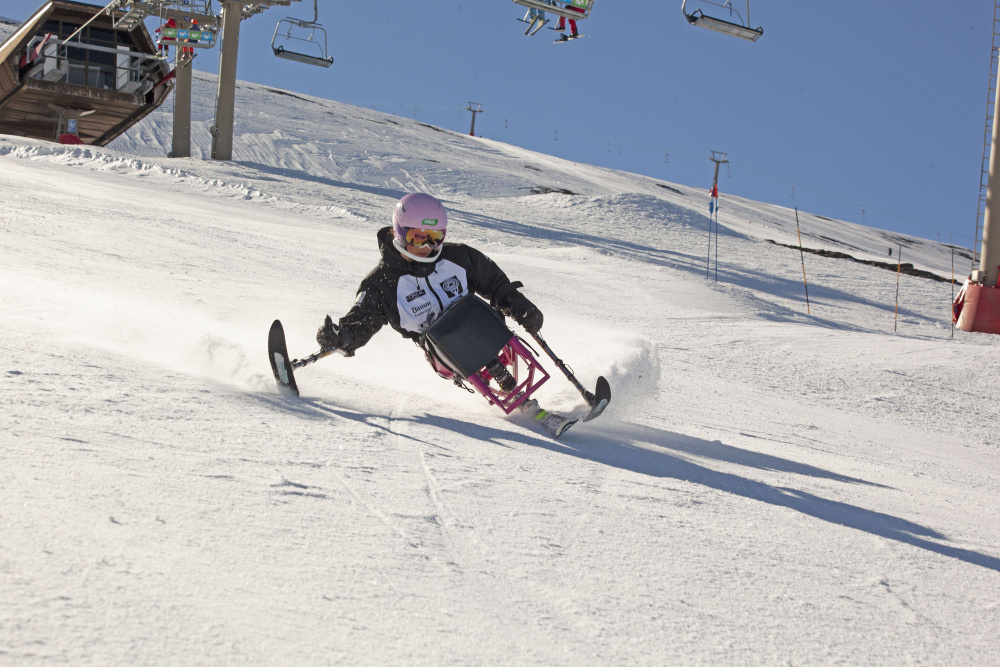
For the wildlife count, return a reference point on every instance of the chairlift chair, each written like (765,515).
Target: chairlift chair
(202,24)
(309,36)
(571,9)
(736,29)
(194,37)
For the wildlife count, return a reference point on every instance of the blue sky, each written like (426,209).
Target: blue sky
(852,110)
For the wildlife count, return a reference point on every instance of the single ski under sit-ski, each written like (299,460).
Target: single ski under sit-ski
(281,364)
(553,423)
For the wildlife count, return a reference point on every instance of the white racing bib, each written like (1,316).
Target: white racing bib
(422,300)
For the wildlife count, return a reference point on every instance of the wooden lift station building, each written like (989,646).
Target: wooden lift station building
(58,82)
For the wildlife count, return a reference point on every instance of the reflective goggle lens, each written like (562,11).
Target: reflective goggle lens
(422,237)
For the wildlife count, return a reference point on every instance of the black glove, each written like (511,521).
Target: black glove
(525,313)
(328,335)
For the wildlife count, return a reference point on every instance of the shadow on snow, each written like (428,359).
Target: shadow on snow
(659,463)
(598,444)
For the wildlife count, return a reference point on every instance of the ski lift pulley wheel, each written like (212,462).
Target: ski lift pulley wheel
(735,29)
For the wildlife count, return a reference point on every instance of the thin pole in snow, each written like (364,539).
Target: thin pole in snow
(716,242)
(952,318)
(899,267)
(718,158)
(803,257)
(708,260)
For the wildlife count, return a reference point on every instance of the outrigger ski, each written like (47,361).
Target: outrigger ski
(599,399)
(281,364)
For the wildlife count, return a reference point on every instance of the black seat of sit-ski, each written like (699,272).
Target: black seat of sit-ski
(468,336)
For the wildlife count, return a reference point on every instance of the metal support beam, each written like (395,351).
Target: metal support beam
(181,146)
(479,109)
(989,261)
(225,103)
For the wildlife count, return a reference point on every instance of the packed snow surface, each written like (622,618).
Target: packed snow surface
(775,481)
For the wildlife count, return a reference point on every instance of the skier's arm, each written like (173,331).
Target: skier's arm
(357,327)
(363,320)
(488,280)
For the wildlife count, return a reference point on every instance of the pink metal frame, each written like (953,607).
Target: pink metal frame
(528,374)
(519,362)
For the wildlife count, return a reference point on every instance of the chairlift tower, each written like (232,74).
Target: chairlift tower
(977,307)
(718,158)
(186,25)
(233,11)
(989,259)
(479,109)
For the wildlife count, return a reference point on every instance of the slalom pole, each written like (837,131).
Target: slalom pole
(708,260)
(899,267)
(803,257)
(951,308)
(716,239)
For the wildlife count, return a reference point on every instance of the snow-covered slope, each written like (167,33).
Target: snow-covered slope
(770,484)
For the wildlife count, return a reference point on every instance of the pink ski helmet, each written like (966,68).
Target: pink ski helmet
(423,219)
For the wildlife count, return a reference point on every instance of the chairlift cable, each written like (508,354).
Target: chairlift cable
(91,19)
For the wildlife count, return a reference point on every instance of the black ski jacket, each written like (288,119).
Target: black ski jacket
(409,296)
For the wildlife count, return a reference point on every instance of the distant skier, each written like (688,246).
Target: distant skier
(418,277)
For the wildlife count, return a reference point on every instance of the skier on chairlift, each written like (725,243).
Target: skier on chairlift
(418,277)
(535,18)
(163,40)
(574,33)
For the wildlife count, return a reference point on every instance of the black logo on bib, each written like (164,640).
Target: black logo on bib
(452,287)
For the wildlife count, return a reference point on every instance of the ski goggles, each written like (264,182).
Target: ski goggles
(424,237)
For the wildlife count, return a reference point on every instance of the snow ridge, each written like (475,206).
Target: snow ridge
(97,160)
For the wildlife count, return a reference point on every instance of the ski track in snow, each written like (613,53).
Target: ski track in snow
(768,485)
